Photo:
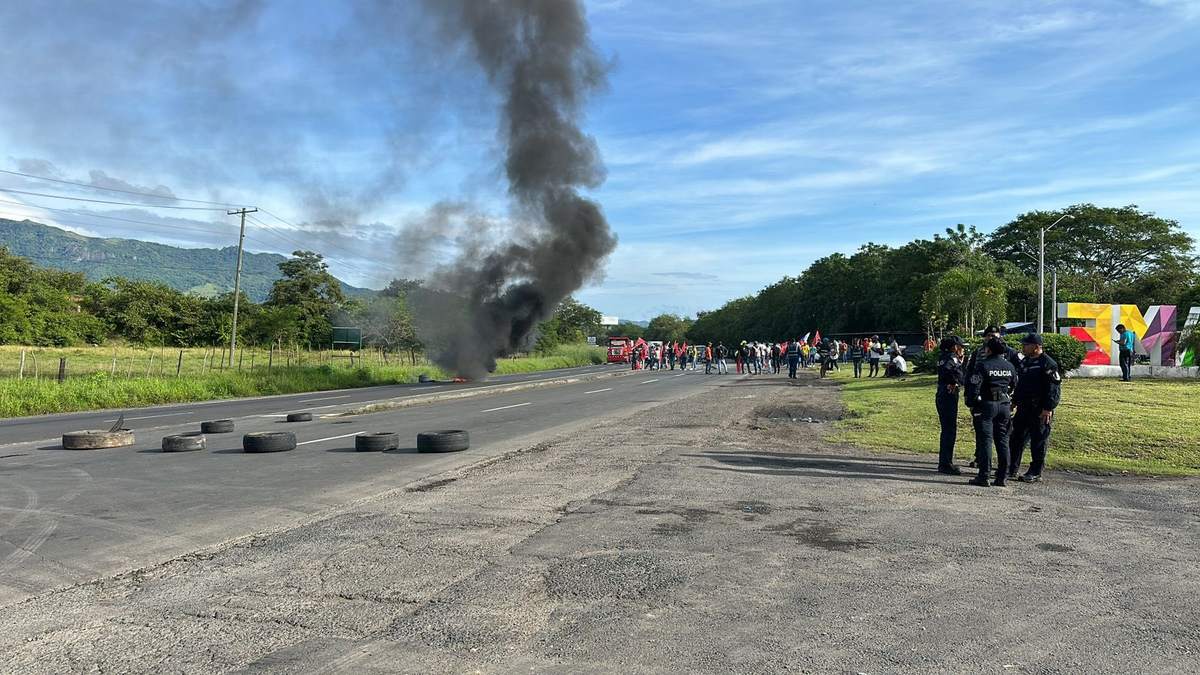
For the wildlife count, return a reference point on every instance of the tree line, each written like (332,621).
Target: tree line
(55,308)
(961,281)
(964,280)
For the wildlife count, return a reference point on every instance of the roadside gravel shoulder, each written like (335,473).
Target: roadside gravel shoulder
(719,533)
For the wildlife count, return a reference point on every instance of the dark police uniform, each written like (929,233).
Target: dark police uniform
(989,392)
(949,372)
(1040,388)
(1011,355)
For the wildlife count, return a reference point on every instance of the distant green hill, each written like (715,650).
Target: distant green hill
(202,271)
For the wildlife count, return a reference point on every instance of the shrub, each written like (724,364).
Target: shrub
(926,362)
(1066,351)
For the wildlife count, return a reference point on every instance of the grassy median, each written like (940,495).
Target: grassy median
(92,383)
(1103,426)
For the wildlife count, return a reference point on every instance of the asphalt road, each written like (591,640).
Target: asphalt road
(71,516)
(48,427)
(711,534)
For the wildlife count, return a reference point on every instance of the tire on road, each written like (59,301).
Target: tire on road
(96,439)
(269,441)
(299,417)
(216,427)
(183,442)
(376,441)
(443,441)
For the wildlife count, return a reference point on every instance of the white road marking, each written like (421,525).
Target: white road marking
(647,382)
(597,391)
(331,438)
(325,398)
(679,375)
(519,405)
(273,415)
(150,417)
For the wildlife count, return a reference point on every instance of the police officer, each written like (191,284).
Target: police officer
(989,394)
(1037,395)
(950,380)
(1010,354)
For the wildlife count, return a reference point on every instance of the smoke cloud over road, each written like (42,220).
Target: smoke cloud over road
(537,54)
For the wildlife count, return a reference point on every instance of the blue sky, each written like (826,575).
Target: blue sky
(743,140)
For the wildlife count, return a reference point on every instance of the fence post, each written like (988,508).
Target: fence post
(113,373)
(271,359)
(204,363)
(22,375)
(252,355)
(150,364)
(222,366)
(241,355)
(129,372)
(179,366)
(62,369)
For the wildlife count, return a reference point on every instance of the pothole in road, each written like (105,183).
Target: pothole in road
(627,576)
(1054,548)
(798,413)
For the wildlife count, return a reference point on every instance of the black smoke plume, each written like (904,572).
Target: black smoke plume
(537,54)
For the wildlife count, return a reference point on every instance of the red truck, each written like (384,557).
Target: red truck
(620,349)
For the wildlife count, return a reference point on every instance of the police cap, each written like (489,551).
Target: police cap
(991,330)
(1032,339)
(995,346)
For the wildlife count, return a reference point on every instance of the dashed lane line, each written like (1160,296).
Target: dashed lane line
(331,438)
(506,407)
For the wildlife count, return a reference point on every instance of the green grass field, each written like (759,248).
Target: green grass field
(92,382)
(1146,427)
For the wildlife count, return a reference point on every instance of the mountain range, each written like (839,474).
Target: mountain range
(200,271)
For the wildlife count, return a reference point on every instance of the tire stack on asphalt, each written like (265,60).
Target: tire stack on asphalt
(454,440)
(376,441)
(92,439)
(216,427)
(269,441)
(184,442)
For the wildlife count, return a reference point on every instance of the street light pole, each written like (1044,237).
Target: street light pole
(1042,272)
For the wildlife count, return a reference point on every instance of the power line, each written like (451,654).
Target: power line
(180,199)
(111,189)
(167,226)
(270,229)
(303,245)
(92,215)
(331,243)
(103,201)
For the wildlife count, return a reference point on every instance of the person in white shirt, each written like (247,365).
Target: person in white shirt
(898,366)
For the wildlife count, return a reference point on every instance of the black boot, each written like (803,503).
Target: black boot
(950,469)
(981,481)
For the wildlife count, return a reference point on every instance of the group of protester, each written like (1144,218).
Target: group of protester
(882,359)
(1011,395)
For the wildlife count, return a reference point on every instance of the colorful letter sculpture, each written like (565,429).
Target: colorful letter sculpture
(1190,357)
(1155,330)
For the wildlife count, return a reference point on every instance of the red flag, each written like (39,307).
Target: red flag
(817,337)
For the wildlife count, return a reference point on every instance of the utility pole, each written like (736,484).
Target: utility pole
(237,280)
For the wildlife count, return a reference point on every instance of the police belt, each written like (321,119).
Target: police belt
(994,395)
(1027,402)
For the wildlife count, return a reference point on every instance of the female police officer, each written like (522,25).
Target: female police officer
(989,394)
(950,380)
